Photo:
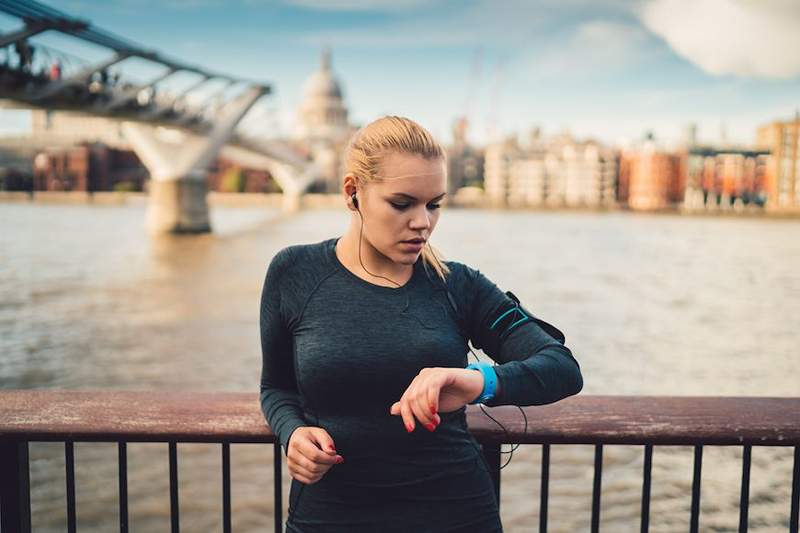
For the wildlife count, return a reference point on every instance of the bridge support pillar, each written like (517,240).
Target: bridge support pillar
(178,206)
(292,202)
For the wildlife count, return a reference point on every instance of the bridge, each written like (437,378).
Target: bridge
(176,135)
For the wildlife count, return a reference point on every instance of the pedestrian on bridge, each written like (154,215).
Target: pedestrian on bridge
(55,70)
(25,53)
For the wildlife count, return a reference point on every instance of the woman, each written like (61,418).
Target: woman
(364,342)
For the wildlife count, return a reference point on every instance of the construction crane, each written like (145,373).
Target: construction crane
(493,108)
(462,123)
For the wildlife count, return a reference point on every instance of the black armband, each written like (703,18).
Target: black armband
(516,315)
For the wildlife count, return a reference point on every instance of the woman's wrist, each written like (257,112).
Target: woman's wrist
(474,382)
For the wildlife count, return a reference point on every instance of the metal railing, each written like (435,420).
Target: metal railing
(227,418)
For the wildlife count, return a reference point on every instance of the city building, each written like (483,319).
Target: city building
(88,167)
(464,161)
(228,176)
(782,140)
(557,171)
(497,169)
(725,178)
(649,178)
(581,174)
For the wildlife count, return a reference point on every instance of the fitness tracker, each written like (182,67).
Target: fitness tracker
(489,381)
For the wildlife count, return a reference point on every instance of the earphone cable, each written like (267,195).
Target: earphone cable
(360,232)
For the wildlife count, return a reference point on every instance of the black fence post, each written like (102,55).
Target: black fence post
(277,473)
(15,486)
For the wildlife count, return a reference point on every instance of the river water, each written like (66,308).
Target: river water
(650,304)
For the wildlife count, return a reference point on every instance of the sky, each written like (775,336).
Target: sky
(605,69)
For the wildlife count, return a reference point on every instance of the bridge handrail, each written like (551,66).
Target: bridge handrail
(105,415)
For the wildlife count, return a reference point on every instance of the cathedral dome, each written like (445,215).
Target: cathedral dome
(322,114)
(322,84)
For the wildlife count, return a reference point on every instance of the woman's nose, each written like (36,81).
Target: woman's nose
(421,219)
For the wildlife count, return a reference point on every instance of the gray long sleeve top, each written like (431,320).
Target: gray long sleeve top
(338,351)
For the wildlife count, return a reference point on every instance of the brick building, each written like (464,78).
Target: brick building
(782,140)
(88,167)
(650,179)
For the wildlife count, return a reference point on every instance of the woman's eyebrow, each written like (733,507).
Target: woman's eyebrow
(412,198)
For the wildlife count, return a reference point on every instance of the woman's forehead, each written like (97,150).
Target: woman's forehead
(398,165)
(419,186)
(412,175)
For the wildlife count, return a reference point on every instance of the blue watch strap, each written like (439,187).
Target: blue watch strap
(489,381)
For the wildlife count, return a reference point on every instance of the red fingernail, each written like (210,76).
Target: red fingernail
(331,448)
(339,460)
(430,427)
(409,429)
(433,410)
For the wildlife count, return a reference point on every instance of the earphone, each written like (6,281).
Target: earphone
(355,202)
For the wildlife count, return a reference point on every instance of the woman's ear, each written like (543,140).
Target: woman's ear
(348,189)
(349,184)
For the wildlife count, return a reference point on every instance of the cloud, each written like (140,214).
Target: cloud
(595,47)
(749,38)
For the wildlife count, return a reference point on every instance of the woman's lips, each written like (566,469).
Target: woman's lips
(413,246)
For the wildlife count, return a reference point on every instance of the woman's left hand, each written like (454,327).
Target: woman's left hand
(437,389)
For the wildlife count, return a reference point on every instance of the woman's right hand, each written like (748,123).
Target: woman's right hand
(311,454)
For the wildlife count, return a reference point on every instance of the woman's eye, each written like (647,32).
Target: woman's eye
(401,207)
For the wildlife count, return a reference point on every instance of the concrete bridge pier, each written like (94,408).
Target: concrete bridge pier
(178,206)
(177,187)
(292,202)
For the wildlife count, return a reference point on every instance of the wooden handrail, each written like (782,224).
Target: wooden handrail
(159,416)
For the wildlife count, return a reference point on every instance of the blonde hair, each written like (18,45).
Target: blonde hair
(387,135)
